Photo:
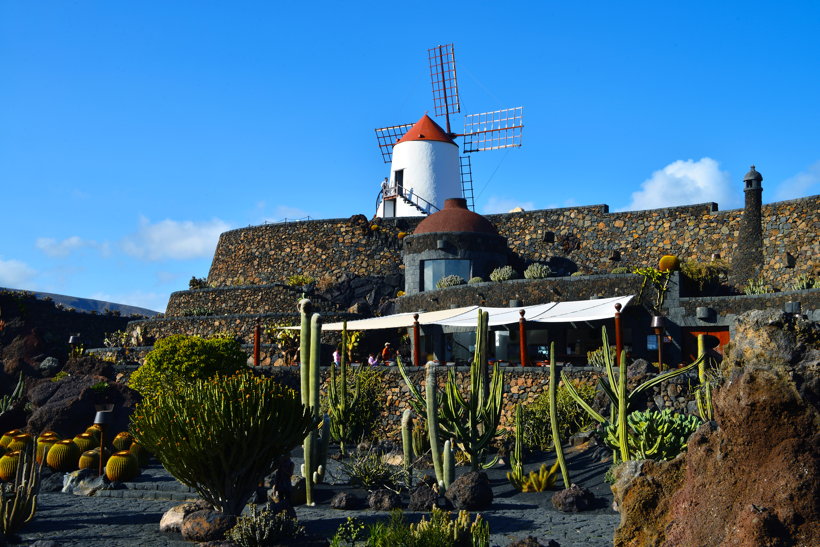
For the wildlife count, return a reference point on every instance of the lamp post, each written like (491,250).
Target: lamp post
(417,341)
(73,342)
(103,418)
(618,342)
(257,334)
(522,338)
(657,326)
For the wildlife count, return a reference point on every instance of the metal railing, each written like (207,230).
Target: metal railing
(394,190)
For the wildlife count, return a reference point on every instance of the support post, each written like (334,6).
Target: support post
(522,339)
(416,341)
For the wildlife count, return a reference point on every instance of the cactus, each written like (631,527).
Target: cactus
(142,454)
(421,442)
(90,459)
(86,441)
(655,435)
(516,476)
(7,437)
(122,466)
(340,403)
(616,391)
(18,504)
(8,465)
(669,263)
(63,456)
(407,446)
(542,480)
(7,401)
(19,442)
(44,443)
(474,420)
(556,435)
(311,343)
(123,441)
(432,420)
(449,465)
(703,395)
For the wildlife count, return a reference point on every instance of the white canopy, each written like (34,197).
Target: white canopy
(551,312)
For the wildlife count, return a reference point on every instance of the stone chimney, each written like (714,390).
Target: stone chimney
(747,260)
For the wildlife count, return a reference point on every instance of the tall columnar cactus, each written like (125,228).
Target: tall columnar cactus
(703,395)
(342,405)
(407,446)
(311,445)
(18,502)
(516,476)
(556,434)
(449,464)
(616,391)
(432,420)
(474,420)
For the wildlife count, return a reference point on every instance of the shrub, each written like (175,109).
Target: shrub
(802,282)
(537,270)
(369,470)
(571,417)
(596,357)
(757,285)
(504,273)
(178,359)
(577,274)
(440,531)
(299,280)
(264,528)
(222,436)
(198,283)
(475,280)
(705,275)
(621,270)
(450,281)
(367,406)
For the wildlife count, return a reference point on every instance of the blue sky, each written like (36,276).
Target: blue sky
(133,133)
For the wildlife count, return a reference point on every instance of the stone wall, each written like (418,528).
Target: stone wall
(322,249)
(725,306)
(252,299)
(521,385)
(588,239)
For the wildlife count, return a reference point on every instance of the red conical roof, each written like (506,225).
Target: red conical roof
(455,217)
(426,130)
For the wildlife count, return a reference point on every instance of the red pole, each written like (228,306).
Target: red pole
(522,339)
(618,343)
(257,334)
(416,341)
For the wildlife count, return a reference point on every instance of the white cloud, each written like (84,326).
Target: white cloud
(805,183)
(176,240)
(497,204)
(685,182)
(15,274)
(54,248)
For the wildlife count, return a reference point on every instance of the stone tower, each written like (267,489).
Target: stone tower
(747,261)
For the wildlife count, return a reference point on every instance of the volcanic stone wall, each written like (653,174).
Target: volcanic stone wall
(321,249)
(587,239)
(249,299)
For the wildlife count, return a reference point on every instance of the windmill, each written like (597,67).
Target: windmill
(426,167)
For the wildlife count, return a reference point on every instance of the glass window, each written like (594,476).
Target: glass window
(436,269)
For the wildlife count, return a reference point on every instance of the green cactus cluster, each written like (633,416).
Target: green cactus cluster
(18,496)
(221,436)
(450,281)
(538,481)
(537,270)
(342,405)
(655,435)
(516,476)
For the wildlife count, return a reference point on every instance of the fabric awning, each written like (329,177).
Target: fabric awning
(551,312)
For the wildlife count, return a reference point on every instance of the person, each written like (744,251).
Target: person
(372,360)
(337,357)
(388,354)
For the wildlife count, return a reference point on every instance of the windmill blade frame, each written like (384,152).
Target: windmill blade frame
(387,137)
(442,61)
(493,130)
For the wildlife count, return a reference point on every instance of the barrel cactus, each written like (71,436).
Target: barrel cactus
(44,443)
(7,436)
(63,456)
(142,454)
(123,441)
(96,431)
(86,441)
(90,459)
(122,466)
(669,263)
(19,442)
(8,465)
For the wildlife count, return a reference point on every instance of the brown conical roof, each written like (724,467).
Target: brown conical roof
(455,217)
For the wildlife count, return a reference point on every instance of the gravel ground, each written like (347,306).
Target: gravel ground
(130,517)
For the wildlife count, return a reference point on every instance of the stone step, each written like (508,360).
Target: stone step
(160,495)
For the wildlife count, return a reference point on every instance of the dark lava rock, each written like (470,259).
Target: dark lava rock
(423,498)
(573,499)
(383,500)
(51,481)
(345,500)
(206,525)
(49,366)
(471,491)
(90,366)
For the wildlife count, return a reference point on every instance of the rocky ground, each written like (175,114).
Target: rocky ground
(130,516)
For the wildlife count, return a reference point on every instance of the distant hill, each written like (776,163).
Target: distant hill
(89,305)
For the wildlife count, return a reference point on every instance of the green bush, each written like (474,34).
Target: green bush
(537,270)
(369,404)
(369,470)
(440,531)
(299,280)
(504,273)
(706,276)
(475,279)
(571,417)
(450,281)
(757,285)
(178,359)
(596,357)
(223,435)
(621,270)
(802,282)
(264,528)
(655,435)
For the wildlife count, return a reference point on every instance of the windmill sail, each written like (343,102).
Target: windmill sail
(387,137)
(493,130)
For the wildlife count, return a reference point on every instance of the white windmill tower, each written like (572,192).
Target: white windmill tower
(426,167)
